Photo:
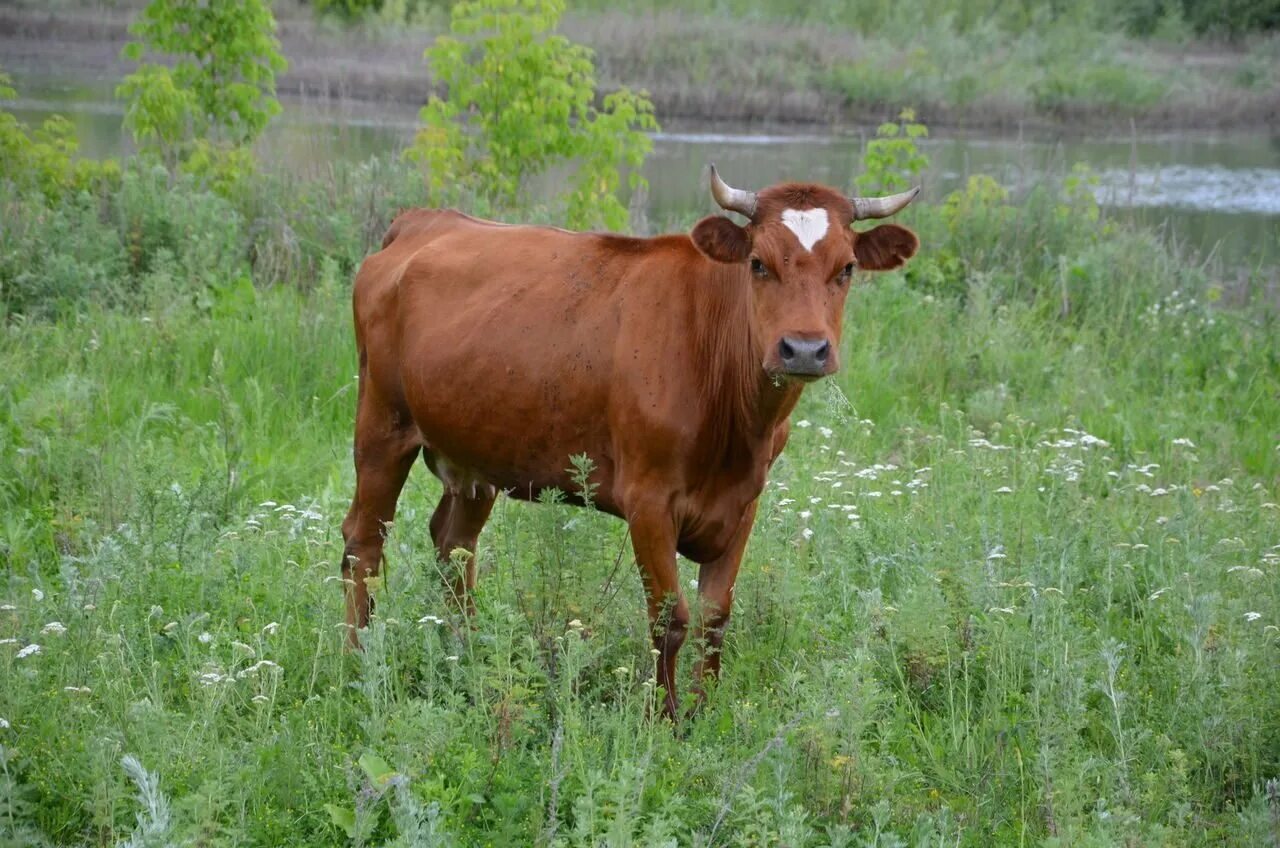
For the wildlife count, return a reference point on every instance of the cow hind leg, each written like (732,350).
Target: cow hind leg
(455,529)
(385,447)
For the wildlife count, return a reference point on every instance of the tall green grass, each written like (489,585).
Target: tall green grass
(1012,582)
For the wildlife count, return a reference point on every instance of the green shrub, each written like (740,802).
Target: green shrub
(55,254)
(45,159)
(1115,86)
(519,99)
(348,10)
(877,81)
(148,241)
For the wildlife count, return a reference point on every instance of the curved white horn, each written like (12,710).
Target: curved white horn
(730,198)
(881,207)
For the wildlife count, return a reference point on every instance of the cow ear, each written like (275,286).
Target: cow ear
(721,240)
(885,247)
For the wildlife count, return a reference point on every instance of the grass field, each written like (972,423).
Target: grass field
(1014,580)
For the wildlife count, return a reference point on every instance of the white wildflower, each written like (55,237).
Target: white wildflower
(260,699)
(1183,443)
(271,628)
(805,515)
(31,649)
(7,608)
(871,494)
(4,724)
(576,624)
(37,594)
(437,620)
(622,670)
(451,658)
(243,648)
(807,533)
(205,638)
(55,627)
(1157,593)
(78,690)
(256,667)
(267,504)
(825,431)
(803,423)
(996,553)
(1004,490)
(693,583)
(1252,616)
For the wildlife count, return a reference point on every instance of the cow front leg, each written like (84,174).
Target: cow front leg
(715,600)
(384,452)
(653,536)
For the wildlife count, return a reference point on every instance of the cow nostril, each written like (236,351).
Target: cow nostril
(786,350)
(821,353)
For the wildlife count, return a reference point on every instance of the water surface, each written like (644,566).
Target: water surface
(1217,194)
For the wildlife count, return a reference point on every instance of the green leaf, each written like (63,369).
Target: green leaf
(377,769)
(344,818)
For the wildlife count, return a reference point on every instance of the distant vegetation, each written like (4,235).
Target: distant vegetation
(1013,582)
(984,64)
(870,17)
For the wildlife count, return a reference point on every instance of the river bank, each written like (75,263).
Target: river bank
(709,70)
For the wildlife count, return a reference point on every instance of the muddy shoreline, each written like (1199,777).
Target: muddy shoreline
(354,67)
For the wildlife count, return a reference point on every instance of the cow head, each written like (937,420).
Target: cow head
(800,252)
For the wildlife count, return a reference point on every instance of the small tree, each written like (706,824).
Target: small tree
(893,161)
(202,113)
(519,99)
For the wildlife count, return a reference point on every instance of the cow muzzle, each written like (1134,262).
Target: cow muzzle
(806,359)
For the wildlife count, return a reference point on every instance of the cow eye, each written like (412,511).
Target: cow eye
(757,267)
(845,273)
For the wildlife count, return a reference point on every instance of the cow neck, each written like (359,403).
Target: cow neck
(746,404)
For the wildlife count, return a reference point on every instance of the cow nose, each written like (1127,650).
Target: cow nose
(804,357)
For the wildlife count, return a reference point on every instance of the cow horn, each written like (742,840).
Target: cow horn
(730,198)
(881,207)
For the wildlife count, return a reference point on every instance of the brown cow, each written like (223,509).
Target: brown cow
(673,362)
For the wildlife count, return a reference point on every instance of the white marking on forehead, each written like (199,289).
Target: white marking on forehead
(809,225)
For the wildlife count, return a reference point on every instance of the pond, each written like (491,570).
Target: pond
(1218,194)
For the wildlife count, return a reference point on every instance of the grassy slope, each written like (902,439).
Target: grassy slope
(1088,657)
(735,64)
